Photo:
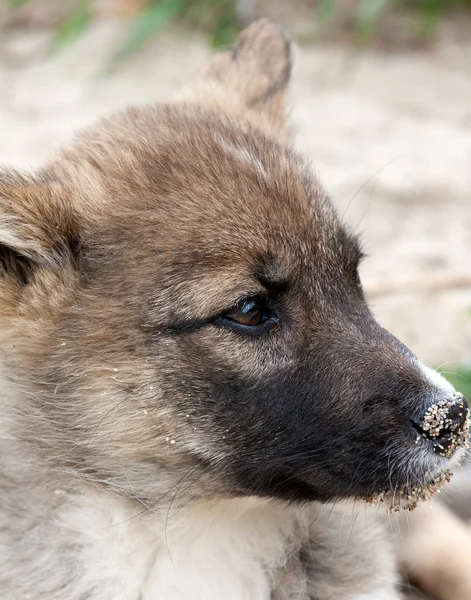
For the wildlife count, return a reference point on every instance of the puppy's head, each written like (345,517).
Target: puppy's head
(181,306)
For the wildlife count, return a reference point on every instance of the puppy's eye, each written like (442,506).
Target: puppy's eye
(249,315)
(249,312)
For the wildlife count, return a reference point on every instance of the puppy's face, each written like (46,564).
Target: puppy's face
(183,307)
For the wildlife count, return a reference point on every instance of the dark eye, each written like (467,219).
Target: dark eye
(248,312)
(251,315)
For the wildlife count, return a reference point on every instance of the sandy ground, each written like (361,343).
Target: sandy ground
(390,135)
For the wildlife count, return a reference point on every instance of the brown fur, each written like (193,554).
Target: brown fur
(127,389)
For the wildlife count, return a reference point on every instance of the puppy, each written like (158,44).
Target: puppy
(190,373)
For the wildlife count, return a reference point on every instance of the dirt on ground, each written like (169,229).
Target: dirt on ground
(389,134)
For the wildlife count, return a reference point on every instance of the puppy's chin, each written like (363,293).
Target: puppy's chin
(410,496)
(406,496)
(420,487)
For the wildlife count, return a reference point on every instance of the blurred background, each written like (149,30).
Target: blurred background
(380,101)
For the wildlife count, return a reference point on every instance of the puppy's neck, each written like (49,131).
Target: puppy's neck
(172,551)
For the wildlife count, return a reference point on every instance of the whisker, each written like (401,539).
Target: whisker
(375,174)
(157,502)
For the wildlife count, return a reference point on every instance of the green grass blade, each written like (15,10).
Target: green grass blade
(225,28)
(153,19)
(74,25)
(368,15)
(430,16)
(326,11)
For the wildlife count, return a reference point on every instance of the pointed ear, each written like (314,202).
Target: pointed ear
(37,228)
(253,75)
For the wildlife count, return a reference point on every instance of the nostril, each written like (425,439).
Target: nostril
(445,424)
(458,414)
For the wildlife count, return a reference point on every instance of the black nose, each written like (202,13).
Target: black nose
(445,424)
